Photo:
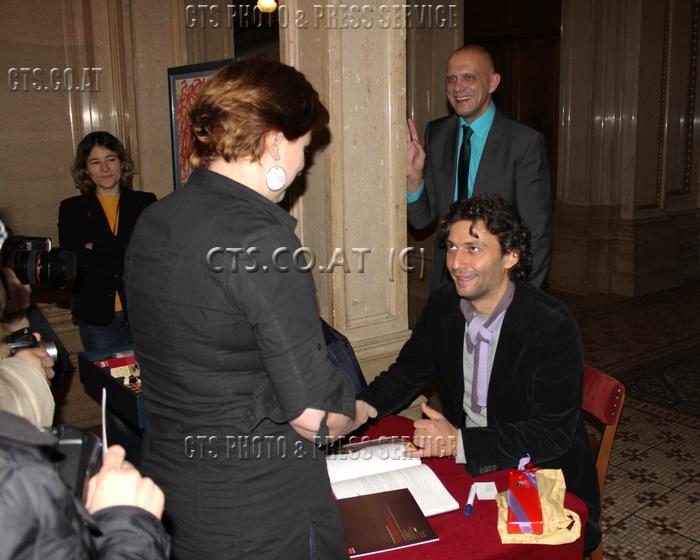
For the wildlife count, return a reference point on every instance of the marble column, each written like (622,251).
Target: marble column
(353,206)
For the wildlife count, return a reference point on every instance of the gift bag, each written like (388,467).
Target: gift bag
(560,525)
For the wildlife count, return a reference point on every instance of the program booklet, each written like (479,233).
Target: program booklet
(374,466)
(118,359)
(383,521)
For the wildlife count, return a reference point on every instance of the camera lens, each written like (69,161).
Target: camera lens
(51,349)
(36,266)
(56,267)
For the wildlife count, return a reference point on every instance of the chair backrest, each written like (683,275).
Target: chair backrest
(603,397)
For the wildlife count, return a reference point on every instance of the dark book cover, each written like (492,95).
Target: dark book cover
(383,521)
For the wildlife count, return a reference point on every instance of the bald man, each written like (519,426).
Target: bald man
(478,150)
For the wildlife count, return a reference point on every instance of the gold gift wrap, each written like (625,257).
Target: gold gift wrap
(561,525)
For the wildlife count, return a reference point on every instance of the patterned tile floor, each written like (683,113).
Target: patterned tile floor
(651,508)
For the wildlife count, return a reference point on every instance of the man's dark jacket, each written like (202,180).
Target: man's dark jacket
(513,165)
(40,518)
(81,220)
(534,395)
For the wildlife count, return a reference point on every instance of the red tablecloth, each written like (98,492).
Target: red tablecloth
(475,537)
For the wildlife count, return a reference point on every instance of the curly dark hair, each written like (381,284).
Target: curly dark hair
(502,220)
(79,168)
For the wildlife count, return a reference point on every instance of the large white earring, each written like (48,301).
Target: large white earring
(276,178)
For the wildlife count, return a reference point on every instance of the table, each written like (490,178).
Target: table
(475,537)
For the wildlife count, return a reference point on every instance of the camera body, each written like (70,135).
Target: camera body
(24,338)
(35,261)
(77,457)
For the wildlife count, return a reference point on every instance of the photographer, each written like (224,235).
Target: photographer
(24,388)
(39,515)
(28,261)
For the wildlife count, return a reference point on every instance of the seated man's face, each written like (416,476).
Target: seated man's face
(477,265)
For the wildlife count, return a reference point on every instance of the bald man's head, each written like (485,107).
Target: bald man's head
(471,79)
(479,51)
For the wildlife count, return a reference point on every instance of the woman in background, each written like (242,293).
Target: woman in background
(97,225)
(236,378)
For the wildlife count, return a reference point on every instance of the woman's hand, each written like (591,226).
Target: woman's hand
(308,423)
(363,412)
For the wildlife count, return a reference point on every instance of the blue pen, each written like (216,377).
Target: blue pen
(470,501)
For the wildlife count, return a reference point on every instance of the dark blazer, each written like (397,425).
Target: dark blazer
(237,352)
(81,220)
(534,395)
(513,164)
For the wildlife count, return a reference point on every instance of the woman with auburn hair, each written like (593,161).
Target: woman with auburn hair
(237,382)
(97,225)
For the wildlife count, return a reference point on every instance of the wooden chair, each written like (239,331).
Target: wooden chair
(603,397)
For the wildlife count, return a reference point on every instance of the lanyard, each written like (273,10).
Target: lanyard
(113,227)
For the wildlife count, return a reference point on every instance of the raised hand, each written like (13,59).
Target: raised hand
(415,157)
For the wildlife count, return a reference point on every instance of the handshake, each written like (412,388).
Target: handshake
(433,435)
(363,412)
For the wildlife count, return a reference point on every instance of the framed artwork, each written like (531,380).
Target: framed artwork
(184,83)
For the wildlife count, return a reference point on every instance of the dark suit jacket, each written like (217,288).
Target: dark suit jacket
(534,395)
(513,164)
(81,220)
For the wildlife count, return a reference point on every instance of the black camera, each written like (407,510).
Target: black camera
(35,261)
(77,457)
(24,338)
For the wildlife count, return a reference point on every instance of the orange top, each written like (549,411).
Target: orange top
(110,206)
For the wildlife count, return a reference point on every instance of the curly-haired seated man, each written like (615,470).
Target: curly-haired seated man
(506,356)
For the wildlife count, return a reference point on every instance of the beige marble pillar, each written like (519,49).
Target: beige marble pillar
(353,203)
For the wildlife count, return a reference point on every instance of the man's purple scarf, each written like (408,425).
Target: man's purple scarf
(480,334)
